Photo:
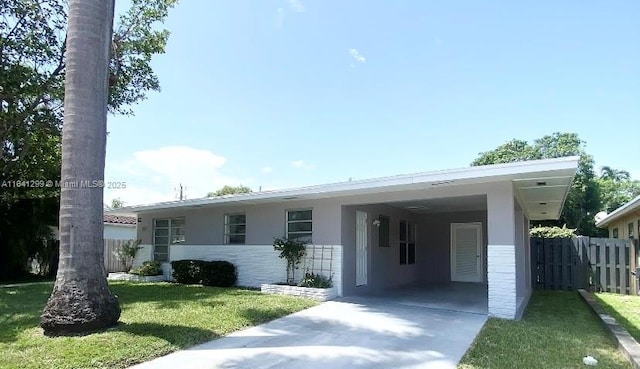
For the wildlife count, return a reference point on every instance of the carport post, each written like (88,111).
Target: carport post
(501,255)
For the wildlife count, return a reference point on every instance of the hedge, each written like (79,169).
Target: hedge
(215,273)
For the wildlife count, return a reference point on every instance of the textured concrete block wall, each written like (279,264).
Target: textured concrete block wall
(501,275)
(256,264)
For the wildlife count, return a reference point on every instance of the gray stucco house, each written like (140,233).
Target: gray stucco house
(462,225)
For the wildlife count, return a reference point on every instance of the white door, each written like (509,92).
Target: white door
(361,248)
(466,252)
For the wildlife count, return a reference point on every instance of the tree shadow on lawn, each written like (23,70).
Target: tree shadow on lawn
(178,335)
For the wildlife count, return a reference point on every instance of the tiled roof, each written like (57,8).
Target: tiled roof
(119,219)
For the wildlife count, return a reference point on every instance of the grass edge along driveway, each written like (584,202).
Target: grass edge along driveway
(157,318)
(558,329)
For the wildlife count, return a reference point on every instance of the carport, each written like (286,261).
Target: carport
(454,240)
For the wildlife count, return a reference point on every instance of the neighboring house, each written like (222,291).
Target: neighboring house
(460,225)
(624,222)
(118,227)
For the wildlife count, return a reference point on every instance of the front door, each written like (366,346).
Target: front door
(466,252)
(361,248)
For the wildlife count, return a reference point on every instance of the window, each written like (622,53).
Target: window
(614,233)
(166,232)
(383,232)
(630,226)
(235,228)
(407,242)
(299,225)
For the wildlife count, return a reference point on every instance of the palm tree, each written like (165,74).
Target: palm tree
(616,175)
(81,301)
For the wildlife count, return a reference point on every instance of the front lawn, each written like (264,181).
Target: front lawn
(626,310)
(557,331)
(156,319)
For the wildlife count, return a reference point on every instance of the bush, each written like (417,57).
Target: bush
(209,273)
(552,232)
(315,281)
(148,268)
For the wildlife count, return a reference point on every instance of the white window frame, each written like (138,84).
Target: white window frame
(227,229)
(287,222)
(172,239)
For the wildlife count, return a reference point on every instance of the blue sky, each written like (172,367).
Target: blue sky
(288,93)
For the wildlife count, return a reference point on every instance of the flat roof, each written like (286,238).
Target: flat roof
(625,209)
(559,171)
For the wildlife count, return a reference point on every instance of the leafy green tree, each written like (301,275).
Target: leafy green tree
(33,63)
(230,190)
(616,188)
(117,203)
(583,200)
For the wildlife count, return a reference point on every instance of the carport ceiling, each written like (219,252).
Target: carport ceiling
(444,204)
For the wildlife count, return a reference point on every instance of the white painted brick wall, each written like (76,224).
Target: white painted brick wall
(501,263)
(144,254)
(256,264)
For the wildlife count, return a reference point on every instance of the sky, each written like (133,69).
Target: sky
(276,94)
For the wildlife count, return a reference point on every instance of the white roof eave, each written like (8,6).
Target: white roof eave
(630,206)
(469,175)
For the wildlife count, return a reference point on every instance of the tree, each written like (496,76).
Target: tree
(616,188)
(81,300)
(230,190)
(32,75)
(583,200)
(117,203)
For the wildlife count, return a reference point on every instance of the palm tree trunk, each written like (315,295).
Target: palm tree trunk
(81,301)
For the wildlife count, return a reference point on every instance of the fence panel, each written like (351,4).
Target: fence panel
(603,264)
(111,263)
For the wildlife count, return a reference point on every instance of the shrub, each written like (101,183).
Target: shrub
(315,281)
(218,273)
(127,253)
(186,271)
(552,232)
(208,273)
(291,250)
(148,268)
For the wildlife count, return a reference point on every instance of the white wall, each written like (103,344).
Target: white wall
(501,250)
(120,232)
(257,264)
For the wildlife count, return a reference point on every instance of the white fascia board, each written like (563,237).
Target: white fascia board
(477,174)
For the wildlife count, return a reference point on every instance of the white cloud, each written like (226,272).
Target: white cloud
(301,165)
(355,54)
(155,175)
(296,5)
(266,169)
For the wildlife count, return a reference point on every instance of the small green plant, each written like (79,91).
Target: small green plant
(148,268)
(127,253)
(293,251)
(315,281)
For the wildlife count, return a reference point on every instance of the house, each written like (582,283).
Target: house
(119,227)
(461,225)
(624,222)
(116,227)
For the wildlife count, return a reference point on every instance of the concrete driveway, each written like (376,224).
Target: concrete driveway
(359,332)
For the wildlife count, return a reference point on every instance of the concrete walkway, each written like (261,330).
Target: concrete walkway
(358,333)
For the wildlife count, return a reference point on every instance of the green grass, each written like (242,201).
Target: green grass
(557,331)
(626,310)
(156,319)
